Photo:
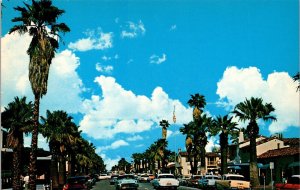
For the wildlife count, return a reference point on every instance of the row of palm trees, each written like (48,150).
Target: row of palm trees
(203,126)
(154,158)
(62,134)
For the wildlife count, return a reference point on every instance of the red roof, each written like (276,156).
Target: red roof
(289,151)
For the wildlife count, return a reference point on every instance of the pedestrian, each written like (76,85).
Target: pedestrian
(26,182)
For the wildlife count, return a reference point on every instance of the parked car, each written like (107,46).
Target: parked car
(232,181)
(292,183)
(150,177)
(165,181)
(103,176)
(77,183)
(208,181)
(126,181)
(143,178)
(183,180)
(193,181)
(113,179)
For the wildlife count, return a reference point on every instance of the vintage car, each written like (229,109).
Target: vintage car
(104,176)
(232,181)
(292,183)
(150,177)
(143,178)
(77,182)
(113,179)
(208,181)
(126,181)
(193,181)
(165,181)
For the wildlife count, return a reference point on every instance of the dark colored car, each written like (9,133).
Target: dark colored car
(77,183)
(292,183)
(193,181)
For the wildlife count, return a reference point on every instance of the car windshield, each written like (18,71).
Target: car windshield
(197,177)
(166,176)
(211,177)
(235,178)
(126,177)
(144,175)
(77,180)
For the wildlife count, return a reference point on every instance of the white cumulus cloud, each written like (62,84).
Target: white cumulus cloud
(135,138)
(118,110)
(63,79)
(115,145)
(133,30)
(279,89)
(158,60)
(104,68)
(98,41)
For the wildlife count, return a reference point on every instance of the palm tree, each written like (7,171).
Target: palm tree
(252,110)
(196,140)
(198,102)
(137,157)
(36,19)
(17,117)
(164,124)
(204,123)
(297,78)
(61,133)
(226,127)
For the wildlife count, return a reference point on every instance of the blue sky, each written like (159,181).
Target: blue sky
(126,64)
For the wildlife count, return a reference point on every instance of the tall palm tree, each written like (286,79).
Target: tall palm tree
(36,19)
(225,126)
(198,102)
(253,110)
(17,117)
(61,133)
(164,124)
(161,145)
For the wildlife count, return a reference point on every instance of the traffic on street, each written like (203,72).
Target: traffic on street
(105,184)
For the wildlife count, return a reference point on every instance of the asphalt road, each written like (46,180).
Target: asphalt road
(104,185)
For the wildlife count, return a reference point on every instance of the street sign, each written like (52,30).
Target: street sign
(271,165)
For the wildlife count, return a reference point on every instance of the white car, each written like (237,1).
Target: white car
(103,176)
(165,181)
(208,181)
(126,181)
(143,178)
(233,181)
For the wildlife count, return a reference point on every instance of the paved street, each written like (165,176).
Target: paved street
(104,185)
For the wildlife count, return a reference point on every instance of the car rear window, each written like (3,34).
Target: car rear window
(77,180)
(166,176)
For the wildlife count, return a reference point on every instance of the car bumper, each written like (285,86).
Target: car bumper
(128,186)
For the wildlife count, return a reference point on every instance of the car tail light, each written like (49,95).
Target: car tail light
(66,187)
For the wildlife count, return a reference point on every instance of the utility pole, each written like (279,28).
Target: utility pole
(174,121)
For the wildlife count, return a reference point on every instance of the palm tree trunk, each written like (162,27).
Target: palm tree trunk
(224,147)
(16,168)
(253,163)
(73,160)
(61,171)
(33,153)
(53,172)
